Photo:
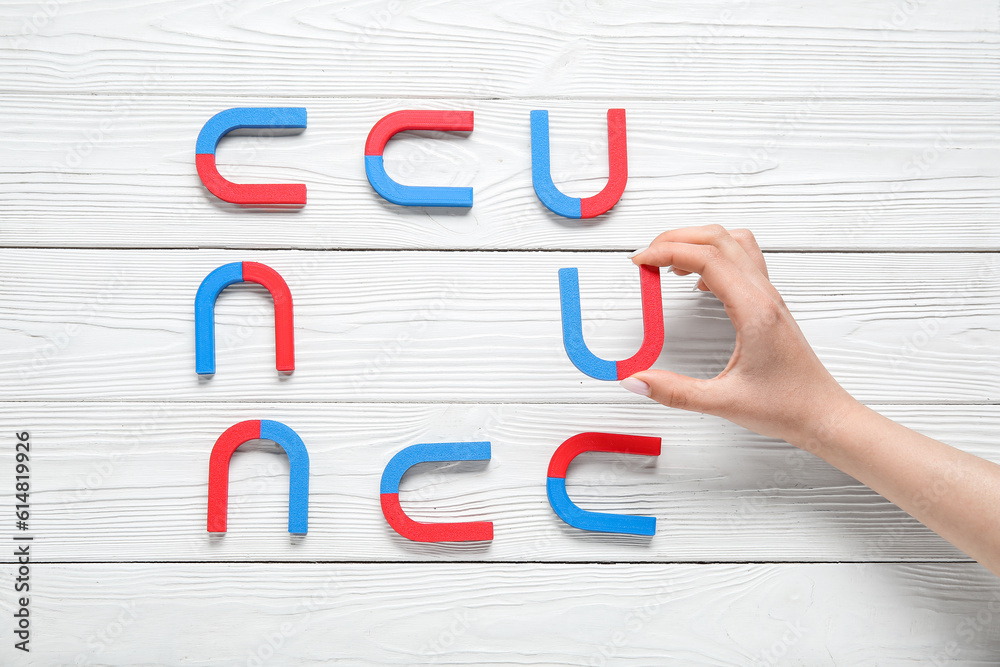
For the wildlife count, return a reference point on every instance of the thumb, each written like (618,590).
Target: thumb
(674,390)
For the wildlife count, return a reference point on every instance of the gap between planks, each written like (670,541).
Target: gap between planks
(313,561)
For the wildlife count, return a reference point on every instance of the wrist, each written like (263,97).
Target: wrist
(823,431)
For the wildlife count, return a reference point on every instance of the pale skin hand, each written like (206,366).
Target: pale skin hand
(775,385)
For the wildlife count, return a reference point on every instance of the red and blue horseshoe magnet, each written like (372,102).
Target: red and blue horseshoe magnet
(412,195)
(575,207)
(572,326)
(601,522)
(204,312)
(298,481)
(289,195)
(471,531)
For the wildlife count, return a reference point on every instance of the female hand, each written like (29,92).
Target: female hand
(774,383)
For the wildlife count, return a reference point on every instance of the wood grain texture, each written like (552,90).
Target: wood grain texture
(650,50)
(114,615)
(128,482)
(471,327)
(841,133)
(810,174)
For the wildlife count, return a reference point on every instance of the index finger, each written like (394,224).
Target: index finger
(737,245)
(746,239)
(720,274)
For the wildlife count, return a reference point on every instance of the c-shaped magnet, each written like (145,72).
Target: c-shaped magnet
(572,326)
(471,531)
(413,195)
(298,480)
(602,522)
(575,207)
(287,195)
(204,313)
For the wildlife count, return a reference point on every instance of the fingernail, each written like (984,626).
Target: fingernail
(636,386)
(638,252)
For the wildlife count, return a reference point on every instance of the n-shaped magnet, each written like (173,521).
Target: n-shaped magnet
(287,195)
(298,480)
(572,326)
(541,172)
(470,531)
(413,195)
(601,522)
(204,312)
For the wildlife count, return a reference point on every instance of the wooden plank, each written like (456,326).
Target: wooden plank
(531,614)
(128,482)
(864,125)
(475,327)
(812,174)
(860,49)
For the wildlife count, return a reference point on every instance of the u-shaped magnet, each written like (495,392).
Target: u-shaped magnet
(470,531)
(602,522)
(414,195)
(541,172)
(204,312)
(284,195)
(572,326)
(298,480)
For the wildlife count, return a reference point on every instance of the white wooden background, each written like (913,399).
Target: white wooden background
(858,139)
